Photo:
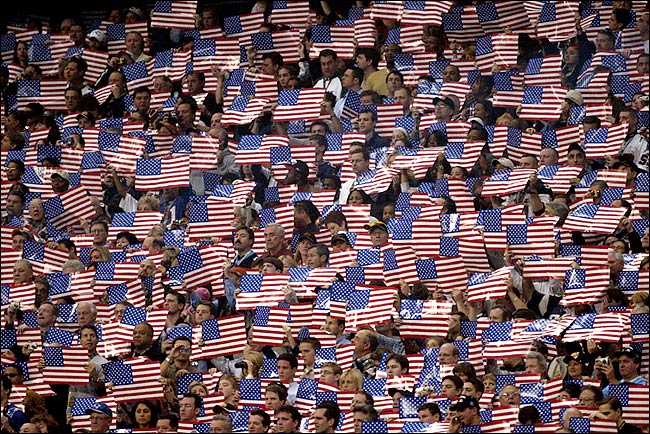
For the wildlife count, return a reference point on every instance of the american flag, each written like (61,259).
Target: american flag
(96,61)
(365,32)
(634,399)
(542,102)
(131,291)
(641,197)
(284,42)
(488,286)
(172,64)
(121,151)
(364,309)
(268,322)
(44,259)
(639,323)
(584,425)
(560,139)
(77,285)
(48,92)
(281,214)
(222,336)
(138,223)
(160,173)
(421,318)
(117,33)
(298,104)
(604,141)
(544,71)
(536,268)
(111,273)
(243,111)
(65,365)
(174,15)
(243,25)
(504,182)
(386,10)
(496,17)
(558,178)
(59,336)
(585,285)
(461,23)
(592,85)
(496,50)
(290,13)
(134,379)
(259,149)
(261,290)
(69,207)
(424,13)
(23,294)
(47,55)
(201,265)
(508,86)
(138,74)
(334,37)
(555,21)
(599,219)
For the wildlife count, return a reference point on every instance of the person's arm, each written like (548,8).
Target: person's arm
(218,91)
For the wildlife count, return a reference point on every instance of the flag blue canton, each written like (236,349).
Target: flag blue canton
(411,309)
(135,71)
(204,47)
(232,25)
(163,7)
(517,234)
(368,257)
(307,389)
(426,269)
(484,45)
(374,386)
(134,316)
(533,95)
(639,323)
(280,155)
(190,259)
(547,14)
(575,279)
(261,316)
(250,388)
(498,332)
(390,260)
(487,12)
(53,207)
(210,330)
(453,20)
(53,356)
(358,300)
(288,97)
(148,167)
(262,41)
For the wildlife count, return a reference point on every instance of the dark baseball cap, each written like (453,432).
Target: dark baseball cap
(464,402)
(308,236)
(100,407)
(340,237)
(446,100)
(629,352)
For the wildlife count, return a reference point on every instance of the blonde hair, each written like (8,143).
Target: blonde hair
(257,360)
(200,384)
(103,251)
(355,375)
(639,297)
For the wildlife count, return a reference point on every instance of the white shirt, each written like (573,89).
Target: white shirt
(333,85)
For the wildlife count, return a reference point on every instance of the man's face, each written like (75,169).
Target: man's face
(509,395)
(362,61)
(71,100)
(361,347)
(329,184)
(59,185)
(401,96)
(631,120)
(548,157)
(321,423)
(358,163)
(627,367)
(607,411)
(142,336)
(142,101)
(378,237)
(14,205)
(255,424)
(183,350)
(202,313)
(328,66)
(446,355)
(243,241)
(533,366)
(394,82)
(99,422)
(45,316)
(527,163)
(285,371)
(450,73)
(359,418)
(314,260)
(449,389)
(603,43)
(268,67)
(13,172)
(442,111)
(285,423)
(162,425)
(187,411)
(465,415)
(184,114)
(99,234)
(88,339)
(643,63)
(218,426)
(347,80)
(318,129)
(283,77)
(366,124)
(496,315)
(85,315)
(327,375)
(308,353)
(272,238)
(332,326)
(171,304)
(426,416)
(576,158)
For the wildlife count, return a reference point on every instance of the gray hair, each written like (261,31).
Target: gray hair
(74,264)
(541,360)
(226,419)
(278,228)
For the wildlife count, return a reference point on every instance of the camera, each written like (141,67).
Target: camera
(241,365)
(183,348)
(595,193)
(602,360)
(32,346)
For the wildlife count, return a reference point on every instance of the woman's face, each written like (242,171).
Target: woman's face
(348,384)
(456,173)
(397,134)
(334,228)
(142,415)
(574,369)
(303,246)
(480,111)
(490,385)
(95,256)
(572,56)
(355,198)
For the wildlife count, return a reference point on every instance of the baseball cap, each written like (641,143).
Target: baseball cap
(241,270)
(86,115)
(477,120)
(301,167)
(578,357)
(203,292)
(100,407)
(629,352)
(392,391)
(98,35)
(376,225)
(464,402)
(574,96)
(504,162)
(446,100)
(61,174)
(308,236)
(340,237)
(136,11)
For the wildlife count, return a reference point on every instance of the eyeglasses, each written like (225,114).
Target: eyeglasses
(12,375)
(508,394)
(100,417)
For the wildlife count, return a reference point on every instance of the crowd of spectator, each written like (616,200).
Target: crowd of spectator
(340,241)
